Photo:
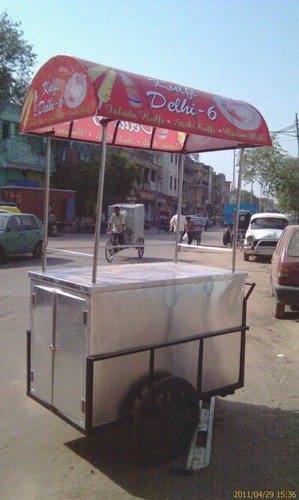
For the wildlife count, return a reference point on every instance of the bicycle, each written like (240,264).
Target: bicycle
(113,246)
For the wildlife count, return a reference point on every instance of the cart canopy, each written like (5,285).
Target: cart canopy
(69,98)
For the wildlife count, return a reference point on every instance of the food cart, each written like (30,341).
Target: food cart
(110,343)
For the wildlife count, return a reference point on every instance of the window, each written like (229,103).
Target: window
(15,223)
(29,223)
(294,245)
(170,182)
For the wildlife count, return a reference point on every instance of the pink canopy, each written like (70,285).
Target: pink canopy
(70,97)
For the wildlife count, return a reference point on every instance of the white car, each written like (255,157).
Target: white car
(263,233)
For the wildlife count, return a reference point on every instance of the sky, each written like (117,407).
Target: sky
(241,49)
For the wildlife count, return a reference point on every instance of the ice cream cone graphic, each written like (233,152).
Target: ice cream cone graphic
(27,108)
(131,91)
(105,89)
(96,71)
(181,137)
(162,134)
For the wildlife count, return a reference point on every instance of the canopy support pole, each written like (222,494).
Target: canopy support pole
(104,124)
(236,221)
(179,212)
(46,204)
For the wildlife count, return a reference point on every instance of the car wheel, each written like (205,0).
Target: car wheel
(2,254)
(246,256)
(226,239)
(279,310)
(38,250)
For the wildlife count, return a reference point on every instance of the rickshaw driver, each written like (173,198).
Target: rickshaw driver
(117,226)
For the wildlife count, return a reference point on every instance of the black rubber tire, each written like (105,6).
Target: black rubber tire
(109,250)
(246,257)
(38,250)
(2,254)
(226,238)
(140,250)
(166,420)
(279,310)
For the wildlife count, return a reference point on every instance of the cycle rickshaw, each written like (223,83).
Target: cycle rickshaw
(133,235)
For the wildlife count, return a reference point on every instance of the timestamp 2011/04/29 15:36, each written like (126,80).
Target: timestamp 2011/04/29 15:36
(266,494)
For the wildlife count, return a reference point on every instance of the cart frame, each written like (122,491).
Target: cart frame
(151,349)
(82,106)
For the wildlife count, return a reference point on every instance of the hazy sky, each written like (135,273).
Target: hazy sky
(243,49)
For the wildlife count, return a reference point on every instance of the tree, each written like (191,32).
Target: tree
(16,61)
(287,194)
(265,165)
(121,173)
(83,176)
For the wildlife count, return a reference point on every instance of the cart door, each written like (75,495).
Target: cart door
(58,351)
(41,365)
(69,356)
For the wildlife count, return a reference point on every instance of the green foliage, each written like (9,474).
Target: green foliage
(276,172)
(83,176)
(16,61)
(288,193)
(121,173)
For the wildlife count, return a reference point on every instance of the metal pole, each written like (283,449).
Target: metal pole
(235,231)
(297,132)
(180,193)
(46,204)
(104,123)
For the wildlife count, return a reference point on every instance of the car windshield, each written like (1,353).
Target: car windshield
(268,222)
(294,245)
(3,221)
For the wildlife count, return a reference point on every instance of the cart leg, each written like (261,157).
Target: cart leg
(200,448)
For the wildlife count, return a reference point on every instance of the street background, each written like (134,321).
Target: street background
(255,430)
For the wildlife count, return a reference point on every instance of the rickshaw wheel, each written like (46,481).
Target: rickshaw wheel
(140,250)
(109,250)
(166,420)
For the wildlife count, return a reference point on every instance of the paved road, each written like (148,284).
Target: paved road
(42,457)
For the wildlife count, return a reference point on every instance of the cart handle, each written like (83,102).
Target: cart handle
(251,284)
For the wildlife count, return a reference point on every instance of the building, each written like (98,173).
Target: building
(22,158)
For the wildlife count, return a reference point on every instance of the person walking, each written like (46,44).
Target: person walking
(189,229)
(174,226)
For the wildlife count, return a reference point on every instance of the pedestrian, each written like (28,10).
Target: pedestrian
(189,229)
(52,229)
(174,226)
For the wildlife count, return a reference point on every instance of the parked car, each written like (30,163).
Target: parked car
(285,271)
(9,206)
(20,234)
(263,234)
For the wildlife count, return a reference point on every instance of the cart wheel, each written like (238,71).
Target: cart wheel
(140,249)
(166,420)
(109,250)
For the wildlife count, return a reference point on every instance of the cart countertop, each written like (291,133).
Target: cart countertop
(131,276)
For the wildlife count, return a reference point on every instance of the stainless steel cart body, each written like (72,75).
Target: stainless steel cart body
(190,315)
